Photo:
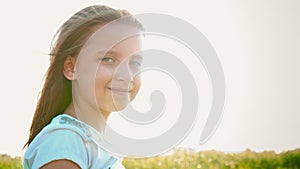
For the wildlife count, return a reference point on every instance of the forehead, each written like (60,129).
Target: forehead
(122,39)
(127,46)
(117,36)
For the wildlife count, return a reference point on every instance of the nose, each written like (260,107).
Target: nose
(124,72)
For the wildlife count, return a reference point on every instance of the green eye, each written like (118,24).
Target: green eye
(107,60)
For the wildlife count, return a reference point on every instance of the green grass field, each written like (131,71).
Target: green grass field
(188,159)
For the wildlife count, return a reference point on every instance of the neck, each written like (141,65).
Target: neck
(88,115)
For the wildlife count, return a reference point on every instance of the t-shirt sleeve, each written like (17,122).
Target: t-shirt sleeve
(60,145)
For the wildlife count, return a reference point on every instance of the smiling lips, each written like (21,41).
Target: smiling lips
(120,90)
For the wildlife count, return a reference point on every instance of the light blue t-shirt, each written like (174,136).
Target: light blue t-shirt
(68,138)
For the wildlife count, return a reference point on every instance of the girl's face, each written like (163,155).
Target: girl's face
(106,75)
(117,80)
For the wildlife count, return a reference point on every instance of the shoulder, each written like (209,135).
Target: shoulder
(63,128)
(68,139)
(58,140)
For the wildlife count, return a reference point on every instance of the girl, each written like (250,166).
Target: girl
(67,113)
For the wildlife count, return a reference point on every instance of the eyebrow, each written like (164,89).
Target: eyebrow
(112,52)
(107,52)
(138,55)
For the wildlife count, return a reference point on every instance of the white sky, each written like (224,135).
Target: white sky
(257,43)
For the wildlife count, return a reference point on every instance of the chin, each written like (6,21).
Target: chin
(121,105)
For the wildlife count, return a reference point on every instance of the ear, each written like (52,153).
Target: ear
(69,66)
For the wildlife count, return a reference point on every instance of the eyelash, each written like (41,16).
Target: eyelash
(112,60)
(107,58)
(136,64)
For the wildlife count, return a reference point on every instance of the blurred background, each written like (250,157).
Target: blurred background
(257,43)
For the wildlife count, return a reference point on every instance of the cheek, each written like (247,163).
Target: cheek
(137,84)
(102,78)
